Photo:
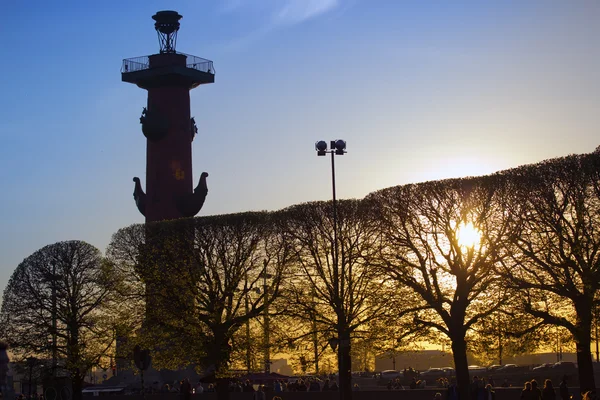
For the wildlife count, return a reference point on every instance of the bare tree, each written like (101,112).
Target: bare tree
(442,240)
(333,285)
(555,210)
(57,306)
(201,278)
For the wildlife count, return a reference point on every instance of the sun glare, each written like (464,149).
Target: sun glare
(468,236)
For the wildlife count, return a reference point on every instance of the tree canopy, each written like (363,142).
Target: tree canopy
(490,263)
(57,305)
(554,248)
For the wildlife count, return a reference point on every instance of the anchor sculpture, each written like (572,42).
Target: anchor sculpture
(189,205)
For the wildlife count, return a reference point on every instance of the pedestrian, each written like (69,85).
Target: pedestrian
(185,391)
(535,390)
(489,392)
(526,393)
(452,393)
(548,392)
(260,393)
(314,386)
(563,389)
(248,386)
(474,388)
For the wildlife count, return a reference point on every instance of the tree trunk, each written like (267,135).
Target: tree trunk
(459,352)
(585,363)
(583,341)
(344,365)
(220,357)
(77,386)
(222,388)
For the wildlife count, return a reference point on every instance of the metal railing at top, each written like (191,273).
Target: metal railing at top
(142,63)
(135,64)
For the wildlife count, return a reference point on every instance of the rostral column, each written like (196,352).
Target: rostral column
(167,124)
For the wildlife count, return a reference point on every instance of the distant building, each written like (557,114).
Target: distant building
(281,367)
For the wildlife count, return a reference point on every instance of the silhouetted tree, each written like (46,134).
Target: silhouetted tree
(66,285)
(123,254)
(333,284)
(555,210)
(198,274)
(425,247)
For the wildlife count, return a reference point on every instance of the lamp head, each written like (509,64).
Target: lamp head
(321,147)
(340,147)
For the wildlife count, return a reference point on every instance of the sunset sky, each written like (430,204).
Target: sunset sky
(420,90)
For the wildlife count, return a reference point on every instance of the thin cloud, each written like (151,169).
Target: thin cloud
(283,12)
(296,11)
(275,14)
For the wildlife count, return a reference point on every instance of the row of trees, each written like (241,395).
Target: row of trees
(399,266)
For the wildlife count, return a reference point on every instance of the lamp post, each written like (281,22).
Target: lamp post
(54,325)
(338,147)
(314,328)
(267,344)
(247,308)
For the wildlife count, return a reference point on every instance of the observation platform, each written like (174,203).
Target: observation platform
(168,69)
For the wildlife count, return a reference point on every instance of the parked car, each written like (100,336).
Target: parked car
(565,366)
(494,367)
(507,367)
(542,367)
(390,374)
(432,371)
(448,370)
(476,369)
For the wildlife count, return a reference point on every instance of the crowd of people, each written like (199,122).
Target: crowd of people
(531,391)
(484,389)
(235,385)
(281,385)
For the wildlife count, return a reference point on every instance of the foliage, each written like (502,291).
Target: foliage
(555,253)
(371,275)
(503,335)
(197,275)
(70,285)
(422,249)
(333,288)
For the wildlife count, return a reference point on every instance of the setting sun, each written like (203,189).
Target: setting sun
(468,236)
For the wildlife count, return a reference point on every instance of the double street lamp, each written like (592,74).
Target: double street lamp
(338,147)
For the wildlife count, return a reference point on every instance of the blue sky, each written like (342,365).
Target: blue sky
(420,90)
